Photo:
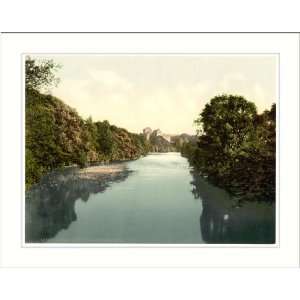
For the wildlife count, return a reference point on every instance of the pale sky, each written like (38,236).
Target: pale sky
(161,91)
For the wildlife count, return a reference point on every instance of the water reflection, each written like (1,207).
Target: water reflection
(153,206)
(222,222)
(50,205)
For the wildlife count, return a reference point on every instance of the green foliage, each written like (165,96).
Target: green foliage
(40,74)
(236,147)
(53,135)
(33,169)
(57,136)
(104,138)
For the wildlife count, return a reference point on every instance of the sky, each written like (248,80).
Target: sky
(160,91)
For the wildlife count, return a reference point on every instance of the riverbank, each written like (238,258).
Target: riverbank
(102,171)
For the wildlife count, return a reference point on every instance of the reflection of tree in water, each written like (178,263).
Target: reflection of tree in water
(222,222)
(50,204)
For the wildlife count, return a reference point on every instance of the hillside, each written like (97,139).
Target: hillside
(56,136)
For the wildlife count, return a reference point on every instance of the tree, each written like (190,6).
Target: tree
(236,147)
(104,138)
(40,74)
(225,124)
(227,120)
(255,170)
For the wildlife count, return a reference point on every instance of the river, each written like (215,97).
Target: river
(157,200)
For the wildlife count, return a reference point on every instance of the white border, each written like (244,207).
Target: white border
(286,45)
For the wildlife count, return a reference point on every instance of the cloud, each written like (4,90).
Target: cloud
(137,92)
(110,80)
(108,95)
(239,84)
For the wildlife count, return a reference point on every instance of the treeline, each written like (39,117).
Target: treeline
(57,136)
(236,148)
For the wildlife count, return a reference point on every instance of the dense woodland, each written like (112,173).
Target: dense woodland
(56,136)
(236,148)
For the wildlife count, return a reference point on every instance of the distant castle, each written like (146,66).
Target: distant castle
(148,132)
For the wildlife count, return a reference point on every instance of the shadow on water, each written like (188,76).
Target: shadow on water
(222,222)
(50,204)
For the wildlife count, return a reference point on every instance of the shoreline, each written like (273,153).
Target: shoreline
(96,171)
(101,171)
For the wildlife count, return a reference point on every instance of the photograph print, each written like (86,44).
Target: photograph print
(161,149)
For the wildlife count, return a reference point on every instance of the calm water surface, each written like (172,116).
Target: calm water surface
(157,200)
